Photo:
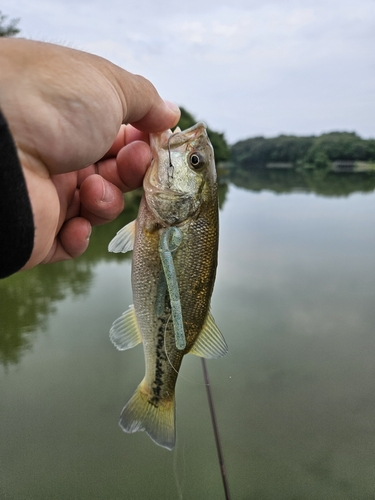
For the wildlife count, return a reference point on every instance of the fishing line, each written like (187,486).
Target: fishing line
(165,345)
(180,485)
(169,360)
(216,431)
(213,420)
(171,166)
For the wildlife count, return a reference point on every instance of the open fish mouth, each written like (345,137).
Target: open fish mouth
(177,138)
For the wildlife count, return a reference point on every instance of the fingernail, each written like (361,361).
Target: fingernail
(89,233)
(108,192)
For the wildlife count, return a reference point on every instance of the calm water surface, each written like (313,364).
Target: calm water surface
(295,396)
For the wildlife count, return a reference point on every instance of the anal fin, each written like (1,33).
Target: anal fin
(210,342)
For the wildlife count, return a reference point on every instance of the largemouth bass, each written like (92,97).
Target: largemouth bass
(175,243)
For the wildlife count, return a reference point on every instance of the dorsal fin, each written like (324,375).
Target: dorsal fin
(210,342)
(124,240)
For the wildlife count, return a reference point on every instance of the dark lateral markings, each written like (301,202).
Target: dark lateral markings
(161,357)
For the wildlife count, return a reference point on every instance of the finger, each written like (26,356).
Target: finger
(73,208)
(65,186)
(101,201)
(84,173)
(161,116)
(71,242)
(142,105)
(128,169)
(126,135)
(132,163)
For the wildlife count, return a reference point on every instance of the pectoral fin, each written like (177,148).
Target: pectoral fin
(124,240)
(210,342)
(124,333)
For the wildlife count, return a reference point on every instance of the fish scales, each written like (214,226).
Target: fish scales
(186,200)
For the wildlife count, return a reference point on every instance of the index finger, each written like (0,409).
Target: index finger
(126,135)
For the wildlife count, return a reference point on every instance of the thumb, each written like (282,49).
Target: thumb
(142,105)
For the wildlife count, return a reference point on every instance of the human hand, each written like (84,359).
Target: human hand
(64,109)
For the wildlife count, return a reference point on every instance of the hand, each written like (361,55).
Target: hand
(65,109)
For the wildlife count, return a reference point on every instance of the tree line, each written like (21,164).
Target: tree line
(311,151)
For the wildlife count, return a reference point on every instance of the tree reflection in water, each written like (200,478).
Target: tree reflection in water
(320,182)
(28,298)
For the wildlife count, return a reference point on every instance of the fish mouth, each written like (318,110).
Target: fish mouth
(180,137)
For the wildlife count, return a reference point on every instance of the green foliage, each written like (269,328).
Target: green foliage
(221,148)
(259,151)
(311,151)
(9,29)
(187,120)
(317,156)
(345,146)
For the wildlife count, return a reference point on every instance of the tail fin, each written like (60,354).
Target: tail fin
(140,414)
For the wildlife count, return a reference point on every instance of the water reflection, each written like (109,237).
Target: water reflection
(28,298)
(294,396)
(320,182)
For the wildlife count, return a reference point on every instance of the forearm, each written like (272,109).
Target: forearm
(16,218)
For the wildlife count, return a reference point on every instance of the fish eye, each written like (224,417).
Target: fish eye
(196,160)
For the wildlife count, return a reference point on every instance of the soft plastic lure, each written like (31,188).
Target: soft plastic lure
(170,240)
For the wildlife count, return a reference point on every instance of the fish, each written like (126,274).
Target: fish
(175,251)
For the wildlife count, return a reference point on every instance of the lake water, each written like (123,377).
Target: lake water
(294,398)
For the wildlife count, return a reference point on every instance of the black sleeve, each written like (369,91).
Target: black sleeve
(16,217)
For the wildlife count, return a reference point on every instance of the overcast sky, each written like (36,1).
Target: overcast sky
(246,67)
